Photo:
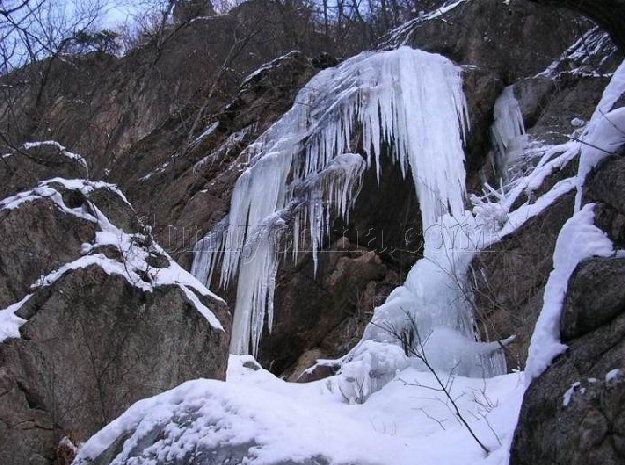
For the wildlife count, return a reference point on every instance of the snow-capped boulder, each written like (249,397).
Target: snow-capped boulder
(93,316)
(201,422)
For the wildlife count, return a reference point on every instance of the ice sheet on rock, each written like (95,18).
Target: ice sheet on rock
(579,239)
(207,132)
(368,368)
(86,186)
(205,250)
(569,393)
(435,297)
(605,136)
(520,216)
(584,57)
(44,192)
(437,293)
(508,133)
(401,35)
(605,132)
(408,99)
(335,185)
(613,375)
(266,67)
(203,309)
(228,145)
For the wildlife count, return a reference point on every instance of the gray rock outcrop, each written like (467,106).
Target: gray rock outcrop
(96,316)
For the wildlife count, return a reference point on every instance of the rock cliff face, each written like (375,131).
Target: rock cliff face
(95,314)
(510,276)
(573,413)
(101,315)
(174,132)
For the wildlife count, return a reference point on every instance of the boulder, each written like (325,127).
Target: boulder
(604,186)
(201,422)
(575,411)
(36,239)
(596,296)
(94,317)
(93,345)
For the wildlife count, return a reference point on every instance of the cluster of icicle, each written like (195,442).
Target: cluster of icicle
(302,171)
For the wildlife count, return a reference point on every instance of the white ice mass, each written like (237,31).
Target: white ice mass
(507,132)
(301,172)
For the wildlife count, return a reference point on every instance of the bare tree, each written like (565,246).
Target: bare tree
(34,34)
(413,344)
(33,30)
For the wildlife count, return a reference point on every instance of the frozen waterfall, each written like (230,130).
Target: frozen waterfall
(301,173)
(508,133)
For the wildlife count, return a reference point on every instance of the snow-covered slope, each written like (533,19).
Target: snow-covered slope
(256,418)
(384,407)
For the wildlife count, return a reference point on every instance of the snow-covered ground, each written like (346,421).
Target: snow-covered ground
(406,422)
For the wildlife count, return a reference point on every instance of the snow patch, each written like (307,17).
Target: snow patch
(613,375)
(579,239)
(9,322)
(72,156)
(568,395)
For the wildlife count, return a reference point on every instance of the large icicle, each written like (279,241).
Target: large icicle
(508,133)
(409,100)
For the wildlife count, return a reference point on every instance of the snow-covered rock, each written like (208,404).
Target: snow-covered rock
(94,315)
